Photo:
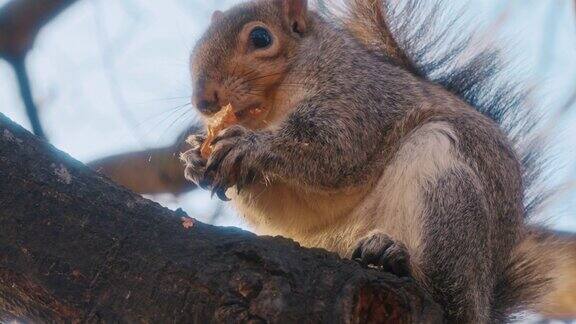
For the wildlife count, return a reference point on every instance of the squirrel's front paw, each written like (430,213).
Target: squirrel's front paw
(195,164)
(233,161)
(378,249)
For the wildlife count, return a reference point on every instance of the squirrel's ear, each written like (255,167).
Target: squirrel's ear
(217,15)
(296,14)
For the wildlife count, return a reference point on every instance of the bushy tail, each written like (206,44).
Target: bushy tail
(539,270)
(560,301)
(366,20)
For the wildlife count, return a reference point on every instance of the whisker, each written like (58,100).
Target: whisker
(171,110)
(179,118)
(171,113)
(255,93)
(247,74)
(261,77)
(160,100)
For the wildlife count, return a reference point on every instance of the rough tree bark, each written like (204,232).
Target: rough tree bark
(75,247)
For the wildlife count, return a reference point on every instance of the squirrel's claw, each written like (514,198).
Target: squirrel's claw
(204,183)
(194,163)
(195,141)
(233,162)
(221,193)
(220,152)
(230,132)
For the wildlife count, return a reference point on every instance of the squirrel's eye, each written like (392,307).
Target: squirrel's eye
(260,37)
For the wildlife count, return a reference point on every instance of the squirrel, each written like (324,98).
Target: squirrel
(361,151)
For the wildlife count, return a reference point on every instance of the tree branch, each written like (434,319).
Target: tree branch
(20,22)
(19,66)
(76,247)
(152,171)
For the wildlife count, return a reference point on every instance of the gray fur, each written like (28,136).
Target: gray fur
(359,117)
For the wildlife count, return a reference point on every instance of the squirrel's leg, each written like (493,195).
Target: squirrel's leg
(431,200)
(457,255)
(453,260)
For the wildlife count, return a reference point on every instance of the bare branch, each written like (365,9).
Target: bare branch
(20,22)
(19,66)
(153,171)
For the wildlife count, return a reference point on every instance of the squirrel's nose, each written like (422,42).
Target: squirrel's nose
(208,100)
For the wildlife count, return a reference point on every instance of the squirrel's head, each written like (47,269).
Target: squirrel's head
(245,53)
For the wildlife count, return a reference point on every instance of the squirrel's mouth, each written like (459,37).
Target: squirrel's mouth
(251,112)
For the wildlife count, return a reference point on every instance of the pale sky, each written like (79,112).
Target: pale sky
(107,76)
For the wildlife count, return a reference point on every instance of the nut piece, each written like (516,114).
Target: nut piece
(220,121)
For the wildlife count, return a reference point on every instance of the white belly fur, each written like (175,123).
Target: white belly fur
(337,220)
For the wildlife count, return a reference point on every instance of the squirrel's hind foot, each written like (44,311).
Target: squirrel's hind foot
(379,250)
